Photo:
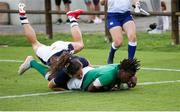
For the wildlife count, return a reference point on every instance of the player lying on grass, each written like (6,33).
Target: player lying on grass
(103,78)
(108,77)
(48,54)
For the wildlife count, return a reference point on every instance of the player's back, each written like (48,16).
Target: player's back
(107,74)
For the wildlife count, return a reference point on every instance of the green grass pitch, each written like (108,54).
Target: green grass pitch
(151,97)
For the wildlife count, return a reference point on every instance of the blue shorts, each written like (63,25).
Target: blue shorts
(118,19)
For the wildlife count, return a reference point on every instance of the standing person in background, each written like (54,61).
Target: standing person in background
(93,5)
(156,6)
(66,8)
(97,19)
(119,19)
(164,18)
(90,8)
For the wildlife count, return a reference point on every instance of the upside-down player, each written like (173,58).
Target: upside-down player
(49,55)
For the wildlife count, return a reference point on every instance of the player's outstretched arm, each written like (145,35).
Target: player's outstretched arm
(54,87)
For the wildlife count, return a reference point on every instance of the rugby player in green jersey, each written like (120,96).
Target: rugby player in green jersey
(107,77)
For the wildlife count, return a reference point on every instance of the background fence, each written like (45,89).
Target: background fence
(174,14)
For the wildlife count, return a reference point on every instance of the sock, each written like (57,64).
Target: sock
(23,18)
(131,49)
(73,21)
(40,68)
(111,54)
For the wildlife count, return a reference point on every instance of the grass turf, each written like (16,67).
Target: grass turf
(160,97)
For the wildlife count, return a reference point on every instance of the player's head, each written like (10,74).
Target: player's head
(128,69)
(72,67)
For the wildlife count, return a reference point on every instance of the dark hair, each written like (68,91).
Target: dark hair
(65,62)
(130,65)
(163,5)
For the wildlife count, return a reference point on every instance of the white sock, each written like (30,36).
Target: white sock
(73,21)
(24,20)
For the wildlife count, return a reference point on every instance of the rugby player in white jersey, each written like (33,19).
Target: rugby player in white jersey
(119,20)
(48,54)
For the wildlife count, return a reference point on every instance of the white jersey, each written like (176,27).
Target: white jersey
(74,83)
(119,6)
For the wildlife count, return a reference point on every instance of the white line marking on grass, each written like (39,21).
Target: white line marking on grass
(155,83)
(35,94)
(49,93)
(161,69)
(15,61)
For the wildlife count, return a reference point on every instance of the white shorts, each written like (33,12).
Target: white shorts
(45,52)
(74,83)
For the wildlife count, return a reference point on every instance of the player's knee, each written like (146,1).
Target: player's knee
(36,45)
(81,46)
(118,44)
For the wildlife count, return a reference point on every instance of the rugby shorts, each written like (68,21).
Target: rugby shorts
(45,52)
(118,19)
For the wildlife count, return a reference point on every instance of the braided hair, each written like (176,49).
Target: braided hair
(130,65)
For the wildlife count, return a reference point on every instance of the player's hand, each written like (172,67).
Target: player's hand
(132,82)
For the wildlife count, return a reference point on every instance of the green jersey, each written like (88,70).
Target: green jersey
(107,75)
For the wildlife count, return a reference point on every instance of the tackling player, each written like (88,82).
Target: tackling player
(60,72)
(48,54)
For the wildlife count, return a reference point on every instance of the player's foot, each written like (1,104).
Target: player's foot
(75,13)
(21,7)
(26,65)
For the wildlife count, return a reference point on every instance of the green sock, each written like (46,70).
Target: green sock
(39,67)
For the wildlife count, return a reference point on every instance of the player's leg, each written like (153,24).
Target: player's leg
(130,29)
(30,62)
(58,8)
(116,33)
(67,7)
(90,8)
(28,30)
(97,19)
(75,30)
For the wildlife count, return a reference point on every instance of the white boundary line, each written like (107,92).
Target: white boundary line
(49,93)
(15,61)
(35,94)
(161,82)
(142,68)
